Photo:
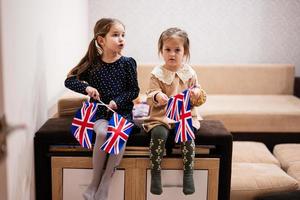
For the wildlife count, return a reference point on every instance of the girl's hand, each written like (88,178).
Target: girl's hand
(92,92)
(191,83)
(198,96)
(112,104)
(162,98)
(195,93)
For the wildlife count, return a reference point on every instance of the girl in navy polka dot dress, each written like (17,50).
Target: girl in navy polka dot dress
(103,73)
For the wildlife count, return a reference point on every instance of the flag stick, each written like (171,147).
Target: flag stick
(103,104)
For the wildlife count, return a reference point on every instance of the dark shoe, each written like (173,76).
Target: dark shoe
(188,183)
(156,187)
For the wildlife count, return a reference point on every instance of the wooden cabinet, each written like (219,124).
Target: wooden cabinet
(70,176)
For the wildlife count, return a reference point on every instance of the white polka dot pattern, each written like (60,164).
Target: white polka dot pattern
(115,81)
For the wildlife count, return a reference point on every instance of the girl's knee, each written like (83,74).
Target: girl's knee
(159,132)
(99,124)
(100,135)
(189,143)
(100,129)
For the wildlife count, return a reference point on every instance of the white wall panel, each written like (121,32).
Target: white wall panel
(40,42)
(221,31)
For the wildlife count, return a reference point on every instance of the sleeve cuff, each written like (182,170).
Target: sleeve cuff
(155,102)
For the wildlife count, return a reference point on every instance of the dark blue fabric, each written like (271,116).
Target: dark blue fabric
(115,81)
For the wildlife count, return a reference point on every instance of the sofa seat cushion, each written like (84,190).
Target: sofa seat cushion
(294,171)
(287,154)
(250,180)
(254,113)
(252,152)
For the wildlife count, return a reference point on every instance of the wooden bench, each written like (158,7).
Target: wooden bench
(55,150)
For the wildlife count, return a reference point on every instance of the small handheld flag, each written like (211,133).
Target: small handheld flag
(179,109)
(174,106)
(118,132)
(83,123)
(184,126)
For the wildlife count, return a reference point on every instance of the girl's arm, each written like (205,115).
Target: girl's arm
(153,91)
(73,83)
(198,95)
(129,95)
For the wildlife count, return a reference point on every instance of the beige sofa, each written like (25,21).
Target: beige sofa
(246,98)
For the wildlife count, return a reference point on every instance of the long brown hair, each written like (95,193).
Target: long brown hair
(101,28)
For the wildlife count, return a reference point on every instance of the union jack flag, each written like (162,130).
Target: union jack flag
(117,134)
(83,123)
(184,126)
(174,106)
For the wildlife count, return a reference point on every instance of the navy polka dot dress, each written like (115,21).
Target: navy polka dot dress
(114,81)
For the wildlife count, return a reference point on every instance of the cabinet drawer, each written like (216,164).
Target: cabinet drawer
(172,185)
(75,182)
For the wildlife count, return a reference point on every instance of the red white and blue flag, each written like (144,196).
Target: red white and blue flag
(174,106)
(184,126)
(179,109)
(118,132)
(83,123)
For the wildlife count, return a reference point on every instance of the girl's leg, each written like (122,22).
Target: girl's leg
(188,155)
(112,162)
(99,157)
(159,136)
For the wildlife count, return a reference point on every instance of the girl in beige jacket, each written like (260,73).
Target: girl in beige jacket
(167,80)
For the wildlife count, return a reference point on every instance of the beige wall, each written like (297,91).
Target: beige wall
(40,42)
(221,31)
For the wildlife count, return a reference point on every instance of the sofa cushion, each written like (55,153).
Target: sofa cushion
(69,103)
(143,75)
(287,154)
(252,152)
(250,180)
(254,113)
(294,171)
(247,78)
